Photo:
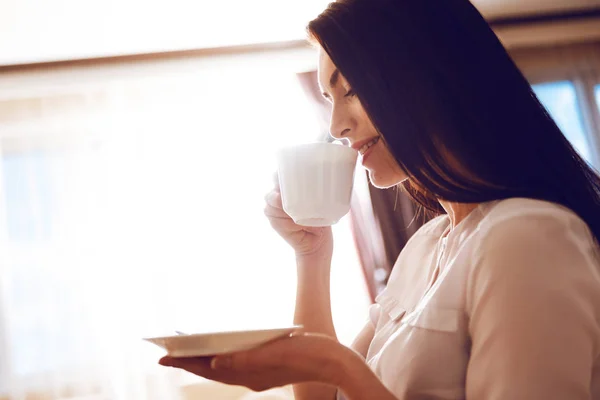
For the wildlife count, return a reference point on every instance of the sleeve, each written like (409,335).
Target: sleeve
(532,302)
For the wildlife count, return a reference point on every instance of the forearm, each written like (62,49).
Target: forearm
(313,310)
(313,296)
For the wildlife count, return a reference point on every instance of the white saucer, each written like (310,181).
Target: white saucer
(208,344)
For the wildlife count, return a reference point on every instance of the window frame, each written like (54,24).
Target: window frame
(54,82)
(577,63)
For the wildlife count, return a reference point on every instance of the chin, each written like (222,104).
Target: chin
(381,181)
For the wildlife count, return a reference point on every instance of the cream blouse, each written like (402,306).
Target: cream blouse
(514,313)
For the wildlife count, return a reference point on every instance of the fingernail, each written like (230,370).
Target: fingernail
(220,362)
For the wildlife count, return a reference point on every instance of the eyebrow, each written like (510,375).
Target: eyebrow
(335,76)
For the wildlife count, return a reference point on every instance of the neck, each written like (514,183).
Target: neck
(458,211)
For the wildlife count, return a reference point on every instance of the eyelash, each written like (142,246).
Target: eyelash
(349,93)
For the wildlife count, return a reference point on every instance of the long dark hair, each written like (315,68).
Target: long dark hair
(437,83)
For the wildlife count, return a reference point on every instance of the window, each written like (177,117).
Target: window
(104,27)
(134,207)
(560,100)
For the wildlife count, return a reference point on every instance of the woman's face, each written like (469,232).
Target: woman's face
(350,121)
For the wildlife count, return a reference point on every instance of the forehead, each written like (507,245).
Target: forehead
(325,69)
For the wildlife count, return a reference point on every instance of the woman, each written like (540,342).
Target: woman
(496,298)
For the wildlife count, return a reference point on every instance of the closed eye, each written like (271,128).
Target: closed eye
(350,93)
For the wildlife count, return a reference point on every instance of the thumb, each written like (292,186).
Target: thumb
(221,362)
(239,361)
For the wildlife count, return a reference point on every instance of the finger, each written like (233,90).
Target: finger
(169,361)
(298,332)
(313,230)
(272,354)
(285,225)
(196,365)
(166,361)
(273,198)
(274,212)
(247,361)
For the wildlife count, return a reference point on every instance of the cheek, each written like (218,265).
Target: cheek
(386,172)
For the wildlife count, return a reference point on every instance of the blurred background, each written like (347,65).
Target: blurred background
(137,142)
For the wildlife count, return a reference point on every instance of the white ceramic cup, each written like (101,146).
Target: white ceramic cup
(316,181)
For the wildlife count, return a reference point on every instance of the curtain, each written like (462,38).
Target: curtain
(131,205)
(71,255)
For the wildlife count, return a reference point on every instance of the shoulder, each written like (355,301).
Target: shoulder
(527,239)
(518,207)
(526,222)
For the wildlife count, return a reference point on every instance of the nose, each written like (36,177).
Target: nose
(341,124)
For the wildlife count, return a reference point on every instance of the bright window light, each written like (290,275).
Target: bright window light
(38,30)
(560,100)
(134,207)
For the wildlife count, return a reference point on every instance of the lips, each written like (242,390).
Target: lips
(367,146)
(364,145)
(366,154)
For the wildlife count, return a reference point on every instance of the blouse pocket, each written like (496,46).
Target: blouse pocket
(392,307)
(434,318)
(426,316)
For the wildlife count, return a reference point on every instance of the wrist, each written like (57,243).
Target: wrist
(318,259)
(322,247)
(317,256)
